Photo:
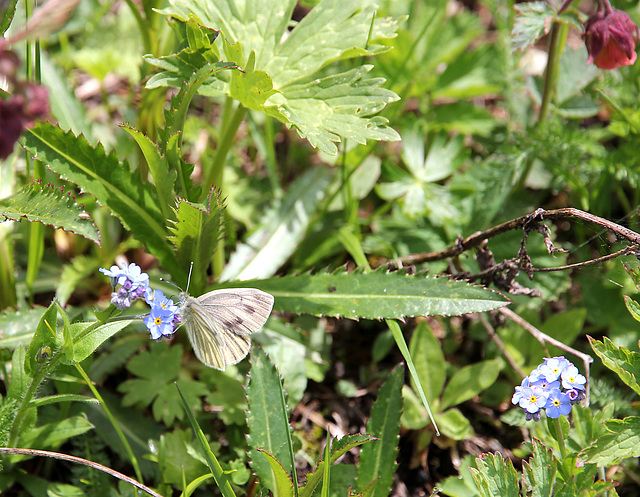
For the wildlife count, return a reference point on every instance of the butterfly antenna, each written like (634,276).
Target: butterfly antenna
(189,279)
(171,283)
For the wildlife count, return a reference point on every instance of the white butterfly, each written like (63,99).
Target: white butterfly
(219,323)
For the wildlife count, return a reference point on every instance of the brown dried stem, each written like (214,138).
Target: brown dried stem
(79,460)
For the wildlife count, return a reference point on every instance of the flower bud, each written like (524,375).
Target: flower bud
(611,37)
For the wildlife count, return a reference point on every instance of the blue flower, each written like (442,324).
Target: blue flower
(160,322)
(572,379)
(533,399)
(553,386)
(133,284)
(553,368)
(157,298)
(558,403)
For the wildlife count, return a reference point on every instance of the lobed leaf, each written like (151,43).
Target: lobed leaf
(49,205)
(376,294)
(540,471)
(531,21)
(495,477)
(622,442)
(378,460)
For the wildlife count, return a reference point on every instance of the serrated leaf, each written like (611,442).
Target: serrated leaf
(623,441)
(267,419)
(325,111)
(284,485)
(49,205)
(633,307)
(469,381)
(376,295)
(331,31)
(622,361)
(495,477)
(378,460)
(531,21)
(112,182)
(539,472)
(281,230)
(195,234)
(338,448)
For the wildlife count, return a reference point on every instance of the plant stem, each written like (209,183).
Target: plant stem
(560,439)
(114,423)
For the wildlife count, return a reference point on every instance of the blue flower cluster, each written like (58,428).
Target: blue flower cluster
(130,283)
(555,386)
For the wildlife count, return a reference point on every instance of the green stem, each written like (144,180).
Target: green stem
(142,26)
(560,439)
(41,373)
(114,423)
(215,174)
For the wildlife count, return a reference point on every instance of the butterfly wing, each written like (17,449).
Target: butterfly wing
(204,334)
(221,322)
(242,311)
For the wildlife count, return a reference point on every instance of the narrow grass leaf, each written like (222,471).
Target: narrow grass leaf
(66,397)
(378,459)
(218,474)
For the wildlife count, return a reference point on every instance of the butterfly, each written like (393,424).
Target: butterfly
(219,323)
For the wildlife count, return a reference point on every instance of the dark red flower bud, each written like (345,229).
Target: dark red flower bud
(611,37)
(11,125)
(36,104)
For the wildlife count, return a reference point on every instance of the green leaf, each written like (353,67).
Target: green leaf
(67,397)
(454,424)
(427,355)
(624,363)
(155,385)
(111,181)
(331,31)
(45,336)
(633,307)
(216,470)
(329,109)
(195,234)
(622,442)
(378,460)
(73,275)
(495,477)
(284,485)
(281,230)
(87,337)
(469,381)
(540,471)
(49,205)
(376,295)
(18,325)
(339,447)
(18,381)
(51,434)
(531,21)
(267,419)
